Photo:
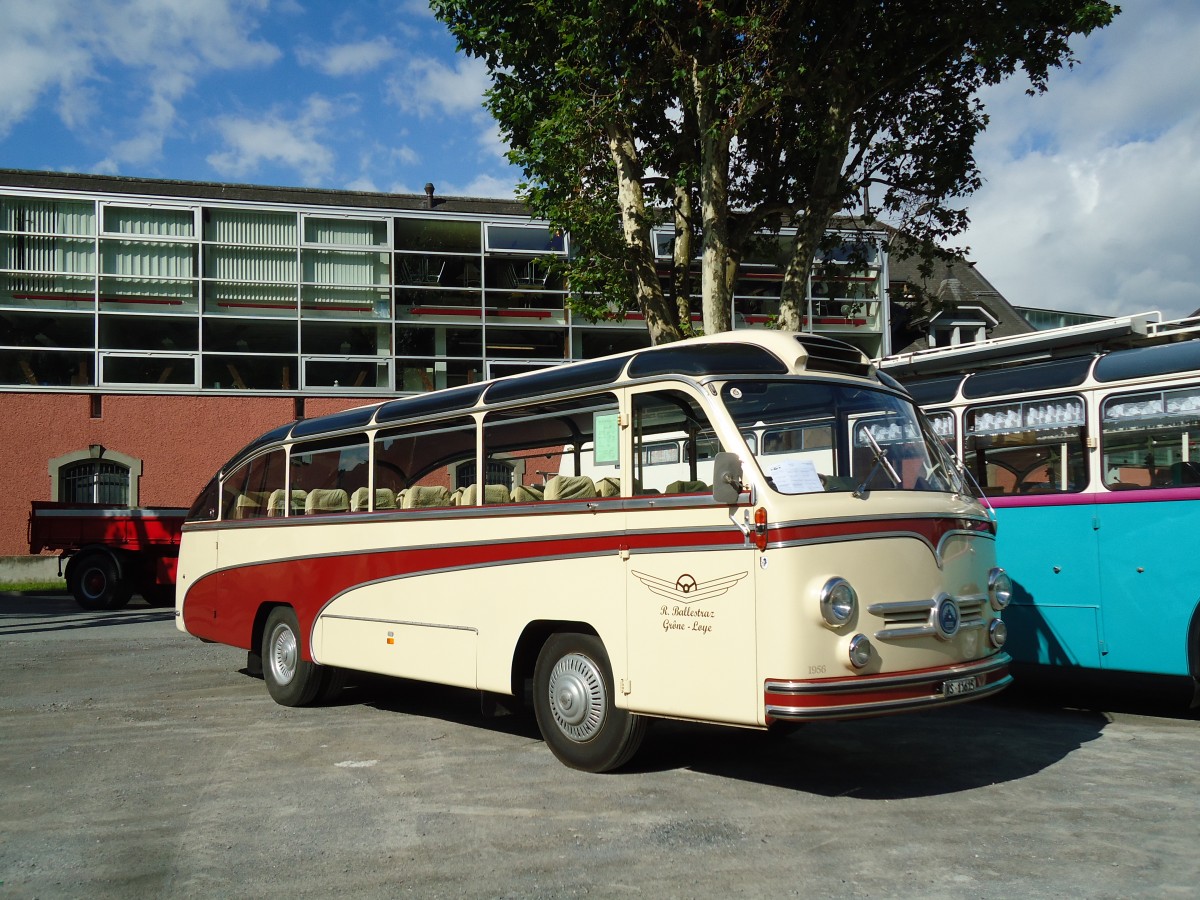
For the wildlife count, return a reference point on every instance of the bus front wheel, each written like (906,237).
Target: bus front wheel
(291,680)
(573,701)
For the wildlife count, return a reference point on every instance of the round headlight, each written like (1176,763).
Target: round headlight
(999,589)
(998,633)
(860,651)
(838,602)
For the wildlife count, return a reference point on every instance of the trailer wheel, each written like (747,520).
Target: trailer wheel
(159,595)
(96,582)
(573,700)
(291,681)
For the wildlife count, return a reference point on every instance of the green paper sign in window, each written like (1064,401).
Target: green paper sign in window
(604,427)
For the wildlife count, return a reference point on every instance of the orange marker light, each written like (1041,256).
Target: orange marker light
(760,528)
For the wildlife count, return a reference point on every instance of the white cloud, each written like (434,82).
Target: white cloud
(427,85)
(155,50)
(1092,200)
(297,143)
(349,59)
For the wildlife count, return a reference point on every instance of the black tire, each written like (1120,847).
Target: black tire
(573,701)
(291,681)
(159,595)
(96,583)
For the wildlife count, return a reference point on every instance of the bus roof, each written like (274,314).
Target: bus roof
(741,352)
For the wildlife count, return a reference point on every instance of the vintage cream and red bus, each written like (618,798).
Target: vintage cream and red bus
(742,529)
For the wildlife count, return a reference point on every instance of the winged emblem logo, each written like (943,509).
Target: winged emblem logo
(685,588)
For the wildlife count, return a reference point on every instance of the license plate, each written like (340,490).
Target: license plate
(957,686)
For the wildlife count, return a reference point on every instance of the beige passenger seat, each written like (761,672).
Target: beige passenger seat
(385,498)
(425,497)
(492,493)
(526,493)
(609,487)
(275,503)
(326,500)
(570,487)
(687,487)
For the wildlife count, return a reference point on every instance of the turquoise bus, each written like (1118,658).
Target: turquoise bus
(1087,445)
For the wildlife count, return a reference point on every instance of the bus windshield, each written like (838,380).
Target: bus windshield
(809,437)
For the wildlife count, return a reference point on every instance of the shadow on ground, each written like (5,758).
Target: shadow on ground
(916,755)
(33,612)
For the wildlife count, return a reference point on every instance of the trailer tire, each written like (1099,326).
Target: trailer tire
(159,595)
(95,581)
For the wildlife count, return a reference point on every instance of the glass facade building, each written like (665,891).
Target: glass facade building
(112,285)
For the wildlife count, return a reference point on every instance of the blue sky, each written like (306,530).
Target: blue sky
(1092,198)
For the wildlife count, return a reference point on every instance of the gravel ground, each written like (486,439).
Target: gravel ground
(137,761)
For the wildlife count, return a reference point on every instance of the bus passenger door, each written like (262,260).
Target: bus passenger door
(689,576)
(1050,552)
(1149,583)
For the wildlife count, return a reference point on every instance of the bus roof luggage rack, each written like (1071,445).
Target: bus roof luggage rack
(1122,331)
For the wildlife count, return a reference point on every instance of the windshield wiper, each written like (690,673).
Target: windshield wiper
(881,462)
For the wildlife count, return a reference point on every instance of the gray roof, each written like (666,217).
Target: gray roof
(210,190)
(958,284)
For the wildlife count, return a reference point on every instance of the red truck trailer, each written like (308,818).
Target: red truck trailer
(111,552)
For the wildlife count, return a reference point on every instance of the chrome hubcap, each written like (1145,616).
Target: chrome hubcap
(577,697)
(284,654)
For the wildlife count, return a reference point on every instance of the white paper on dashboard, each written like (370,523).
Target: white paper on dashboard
(795,476)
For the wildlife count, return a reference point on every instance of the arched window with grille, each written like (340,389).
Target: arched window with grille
(94,481)
(95,475)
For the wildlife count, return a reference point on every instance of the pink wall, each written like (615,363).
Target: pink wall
(181,442)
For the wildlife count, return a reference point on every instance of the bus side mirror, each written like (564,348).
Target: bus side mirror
(727,478)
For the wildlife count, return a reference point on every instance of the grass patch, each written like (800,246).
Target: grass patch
(29,587)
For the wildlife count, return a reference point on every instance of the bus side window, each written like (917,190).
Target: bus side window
(554,451)
(673,444)
(1028,447)
(1149,439)
(328,472)
(424,465)
(246,493)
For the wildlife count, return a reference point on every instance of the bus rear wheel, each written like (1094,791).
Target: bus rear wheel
(291,680)
(573,701)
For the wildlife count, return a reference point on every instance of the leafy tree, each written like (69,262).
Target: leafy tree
(750,114)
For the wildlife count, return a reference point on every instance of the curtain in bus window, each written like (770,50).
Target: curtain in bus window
(1149,439)
(553,451)
(673,444)
(247,492)
(1028,446)
(428,465)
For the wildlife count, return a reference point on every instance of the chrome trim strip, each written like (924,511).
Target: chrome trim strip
(398,622)
(897,634)
(835,520)
(893,607)
(881,708)
(875,682)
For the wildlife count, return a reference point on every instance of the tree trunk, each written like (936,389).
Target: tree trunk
(681,280)
(825,200)
(716,288)
(793,295)
(660,319)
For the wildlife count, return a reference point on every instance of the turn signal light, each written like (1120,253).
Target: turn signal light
(760,528)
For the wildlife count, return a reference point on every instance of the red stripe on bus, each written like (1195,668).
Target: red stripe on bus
(221,606)
(933,530)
